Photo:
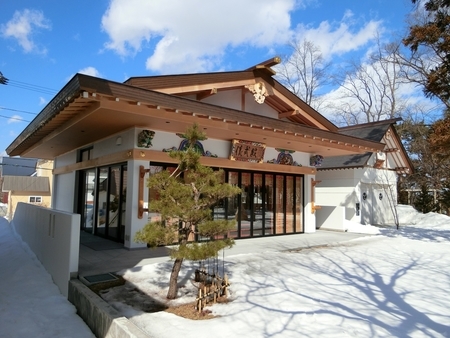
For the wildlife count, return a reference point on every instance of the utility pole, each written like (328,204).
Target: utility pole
(3,80)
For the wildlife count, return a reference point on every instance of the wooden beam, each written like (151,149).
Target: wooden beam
(287,113)
(206,93)
(314,207)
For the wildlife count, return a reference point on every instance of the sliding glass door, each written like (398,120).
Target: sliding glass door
(104,200)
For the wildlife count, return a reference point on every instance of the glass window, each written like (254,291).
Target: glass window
(233,203)
(299,204)
(35,199)
(258,207)
(290,205)
(279,205)
(268,205)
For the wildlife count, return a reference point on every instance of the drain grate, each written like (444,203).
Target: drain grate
(102,278)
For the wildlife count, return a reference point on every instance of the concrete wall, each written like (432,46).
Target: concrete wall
(102,318)
(54,237)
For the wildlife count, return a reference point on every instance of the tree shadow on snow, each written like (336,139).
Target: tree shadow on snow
(339,285)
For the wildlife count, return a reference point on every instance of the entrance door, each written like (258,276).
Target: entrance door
(87,206)
(104,201)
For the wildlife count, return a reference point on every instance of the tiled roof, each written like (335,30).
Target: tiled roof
(374,131)
(26,183)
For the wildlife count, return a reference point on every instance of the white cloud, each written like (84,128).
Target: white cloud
(15,119)
(90,71)
(23,26)
(340,37)
(193,35)
(42,101)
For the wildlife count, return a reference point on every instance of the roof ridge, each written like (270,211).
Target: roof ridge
(375,123)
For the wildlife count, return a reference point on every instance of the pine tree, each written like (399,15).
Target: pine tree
(424,201)
(184,203)
(444,198)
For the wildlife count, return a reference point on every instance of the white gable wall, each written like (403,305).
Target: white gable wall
(232,99)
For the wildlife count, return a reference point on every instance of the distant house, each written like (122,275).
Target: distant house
(26,180)
(364,184)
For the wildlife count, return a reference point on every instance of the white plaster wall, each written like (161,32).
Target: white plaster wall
(65,159)
(310,218)
(345,188)
(132,221)
(228,98)
(232,99)
(64,192)
(109,145)
(378,176)
(164,140)
(254,107)
(331,218)
(340,188)
(301,158)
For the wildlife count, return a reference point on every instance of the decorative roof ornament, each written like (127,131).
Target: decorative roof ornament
(316,160)
(259,91)
(145,137)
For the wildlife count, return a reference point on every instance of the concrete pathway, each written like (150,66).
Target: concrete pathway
(98,256)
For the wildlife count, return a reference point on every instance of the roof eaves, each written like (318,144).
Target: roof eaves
(64,97)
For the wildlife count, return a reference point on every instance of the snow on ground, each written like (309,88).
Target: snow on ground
(394,284)
(30,304)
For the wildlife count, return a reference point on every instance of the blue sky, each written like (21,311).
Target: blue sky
(44,43)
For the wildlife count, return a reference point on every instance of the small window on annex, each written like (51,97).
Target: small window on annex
(35,199)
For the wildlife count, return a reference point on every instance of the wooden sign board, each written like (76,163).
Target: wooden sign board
(247,151)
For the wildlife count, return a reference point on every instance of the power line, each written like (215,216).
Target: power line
(27,86)
(14,118)
(31,87)
(17,110)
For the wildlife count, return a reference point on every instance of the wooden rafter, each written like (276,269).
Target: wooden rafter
(288,113)
(206,93)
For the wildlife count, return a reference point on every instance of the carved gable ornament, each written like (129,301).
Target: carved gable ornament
(259,91)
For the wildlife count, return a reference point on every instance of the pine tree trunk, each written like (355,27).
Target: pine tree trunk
(173,283)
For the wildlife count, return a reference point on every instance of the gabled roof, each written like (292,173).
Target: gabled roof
(287,104)
(89,109)
(26,183)
(18,166)
(381,131)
